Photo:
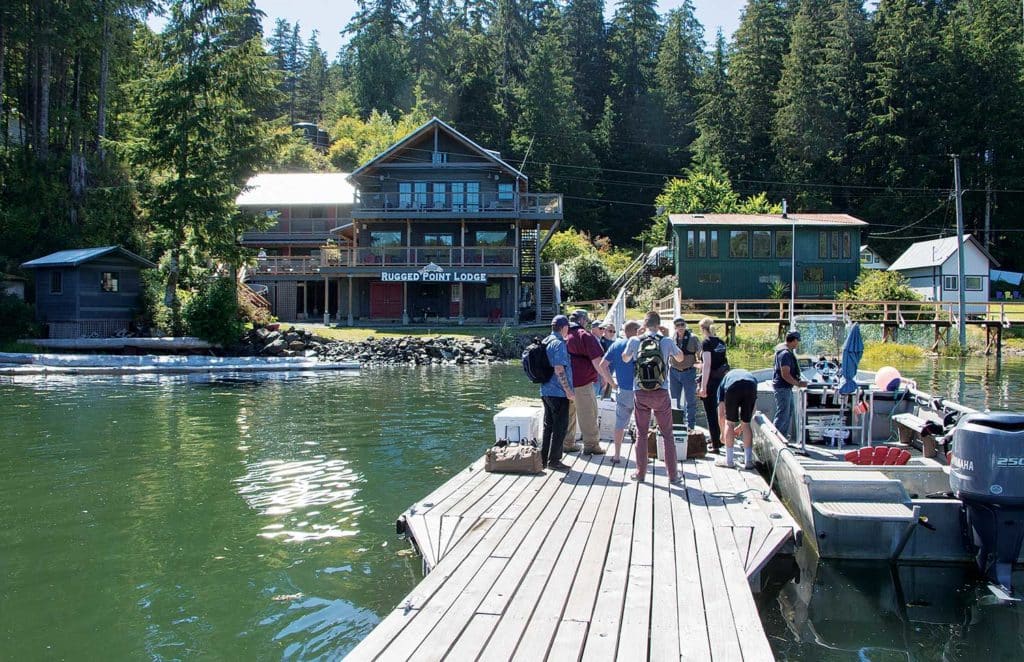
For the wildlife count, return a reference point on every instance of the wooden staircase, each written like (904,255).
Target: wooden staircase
(528,266)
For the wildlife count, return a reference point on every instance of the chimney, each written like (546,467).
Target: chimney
(784,214)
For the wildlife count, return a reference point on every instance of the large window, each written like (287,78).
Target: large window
(739,243)
(822,245)
(109,281)
(385,238)
(440,200)
(713,252)
(691,244)
(784,243)
(413,195)
(491,238)
(465,196)
(56,282)
(762,243)
(949,282)
(973,283)
(437,239)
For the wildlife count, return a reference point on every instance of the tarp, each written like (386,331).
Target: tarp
(853,349)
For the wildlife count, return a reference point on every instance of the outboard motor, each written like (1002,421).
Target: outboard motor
(987,474)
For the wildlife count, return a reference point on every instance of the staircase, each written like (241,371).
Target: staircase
(550,289)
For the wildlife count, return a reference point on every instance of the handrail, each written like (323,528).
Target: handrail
(616,314)
(460,202)
(630,273)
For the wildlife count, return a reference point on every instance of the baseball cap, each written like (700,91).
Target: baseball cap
(792,335)
(558,321)
(578,316)
(677,321)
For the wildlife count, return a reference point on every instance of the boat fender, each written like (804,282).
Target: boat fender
(400,527)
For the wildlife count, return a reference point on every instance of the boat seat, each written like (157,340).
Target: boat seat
(878,511)
(878,456)
(861,485)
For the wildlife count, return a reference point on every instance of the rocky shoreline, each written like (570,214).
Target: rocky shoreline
(408,350)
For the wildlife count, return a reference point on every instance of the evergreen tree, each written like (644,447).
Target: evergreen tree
(680,64)
(585,32)
(716,139)
(312,82)
(378,54)
(287,50)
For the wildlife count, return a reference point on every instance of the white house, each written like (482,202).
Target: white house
(869,259)
(931,267)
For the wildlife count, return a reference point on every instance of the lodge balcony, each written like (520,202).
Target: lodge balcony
(295,231)
(376,257)
(448,204)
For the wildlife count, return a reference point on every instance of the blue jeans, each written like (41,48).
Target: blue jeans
(685,382)
(783,420)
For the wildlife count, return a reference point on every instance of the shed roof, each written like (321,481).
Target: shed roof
(934,253)
(800,220)
(1011,277)
(296,188)
(77,256)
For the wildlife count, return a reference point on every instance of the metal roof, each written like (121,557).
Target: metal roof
(933,253)
(1011,277)
(800,220)
(434,121)
(77,256)
(297,188)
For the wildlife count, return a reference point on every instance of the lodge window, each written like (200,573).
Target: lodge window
(784,243)
(691,247)
(973,283)
(412,194)
(949,282)
(714,244)
(439,195)
(491,238)
(109,281)
(505,193)
(739,243)
(465,196)
(709,278)
(437,239)
(384,238)
(847,246)
(762,243)
(822,245)
(56,282)
(439,157)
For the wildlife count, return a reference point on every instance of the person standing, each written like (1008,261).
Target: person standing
(784,378)
(683,378)
(714,365)
(556,394)
(737,395)
(585,356)
(652,398)
(623,374)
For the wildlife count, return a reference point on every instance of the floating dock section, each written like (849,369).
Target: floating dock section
(587,565)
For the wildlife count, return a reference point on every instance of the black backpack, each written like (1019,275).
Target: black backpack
(535,362)
(650,364)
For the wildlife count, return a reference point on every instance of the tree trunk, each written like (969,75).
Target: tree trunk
(3,44)
(43,146)
(171,292)
(101,107)
(76,173)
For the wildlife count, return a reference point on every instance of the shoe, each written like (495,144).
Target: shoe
(558,466)
(716,448)
(637,477)
(575,448)
(725,463)
(748,467)
(678,480)
(596,450)
(616,459)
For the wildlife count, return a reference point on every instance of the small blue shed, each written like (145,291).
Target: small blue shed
(88,291)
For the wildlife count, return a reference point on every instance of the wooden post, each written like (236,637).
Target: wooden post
(349,300)
(327,301)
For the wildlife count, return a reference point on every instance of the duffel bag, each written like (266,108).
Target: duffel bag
(513,459)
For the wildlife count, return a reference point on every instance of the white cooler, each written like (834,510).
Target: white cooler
(605,421)
(519,424)
(681,442)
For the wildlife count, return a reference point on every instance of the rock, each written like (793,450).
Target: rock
(297,346)
(274,348)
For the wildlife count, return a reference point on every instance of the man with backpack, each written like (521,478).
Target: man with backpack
(683,377)
(651,354)
(556,392)
(585,356)
(623,373)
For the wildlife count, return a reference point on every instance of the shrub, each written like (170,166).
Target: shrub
(878,285)
(585,277)
(213,314)
(565,245)
(658,288)
(18,319)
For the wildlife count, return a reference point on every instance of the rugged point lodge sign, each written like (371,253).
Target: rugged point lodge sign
(433,274)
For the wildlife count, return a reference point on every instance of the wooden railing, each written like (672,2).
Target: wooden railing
(469,203)
(398,256)
(778,310)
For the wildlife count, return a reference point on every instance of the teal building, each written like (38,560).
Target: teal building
(740,256)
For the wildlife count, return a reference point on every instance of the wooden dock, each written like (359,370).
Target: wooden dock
(587,565)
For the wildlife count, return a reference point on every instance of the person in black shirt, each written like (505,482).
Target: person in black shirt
(714,366)
(785,377)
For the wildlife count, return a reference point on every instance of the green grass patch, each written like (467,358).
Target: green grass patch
(879,354)
(15,347)
(357,334)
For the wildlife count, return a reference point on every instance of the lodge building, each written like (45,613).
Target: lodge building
(434,229)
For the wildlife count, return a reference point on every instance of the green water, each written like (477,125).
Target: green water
(254,518)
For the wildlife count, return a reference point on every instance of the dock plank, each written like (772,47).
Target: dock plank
(664,630)
(693,613)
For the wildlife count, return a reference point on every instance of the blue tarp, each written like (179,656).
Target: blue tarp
(853,349)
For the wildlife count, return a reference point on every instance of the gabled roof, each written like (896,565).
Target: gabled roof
(800,220)
(77,256)
(297,188)
(934,253)
(487,154)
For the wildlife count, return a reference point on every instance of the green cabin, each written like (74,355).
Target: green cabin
(741,256)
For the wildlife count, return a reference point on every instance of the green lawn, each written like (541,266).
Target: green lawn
(351,334)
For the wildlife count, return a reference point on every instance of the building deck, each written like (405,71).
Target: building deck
(587,565)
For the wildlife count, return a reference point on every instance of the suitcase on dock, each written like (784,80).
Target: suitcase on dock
(513,459)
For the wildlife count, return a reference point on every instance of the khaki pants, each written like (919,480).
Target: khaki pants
(583,412)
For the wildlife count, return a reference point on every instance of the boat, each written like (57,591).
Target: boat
(890,472)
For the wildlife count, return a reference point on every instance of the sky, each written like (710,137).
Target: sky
(330,16)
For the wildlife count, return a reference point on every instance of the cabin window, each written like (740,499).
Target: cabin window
(109,281)
(56,282)
(784,243)
(847,246)
(491,238)
(866,257)
(702,243)
(762,243)
(973,283)
(822,245)
(691,245)
(505,193)
(439,198)
(949,282)
(739,243)
(437,239)
(713,252)
(709,278)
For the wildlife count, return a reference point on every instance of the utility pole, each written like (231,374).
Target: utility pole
(961,309)
(989,158)
(792,267)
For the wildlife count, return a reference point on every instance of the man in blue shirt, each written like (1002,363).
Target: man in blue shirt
(622,373)
(785,377)
(556,393)
(737,396)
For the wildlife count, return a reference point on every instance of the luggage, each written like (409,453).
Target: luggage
(513,459)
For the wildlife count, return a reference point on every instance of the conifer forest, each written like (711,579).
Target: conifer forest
(116,134)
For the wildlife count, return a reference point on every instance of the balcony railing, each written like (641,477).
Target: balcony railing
(301,229)
(397,256)
(447,202)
